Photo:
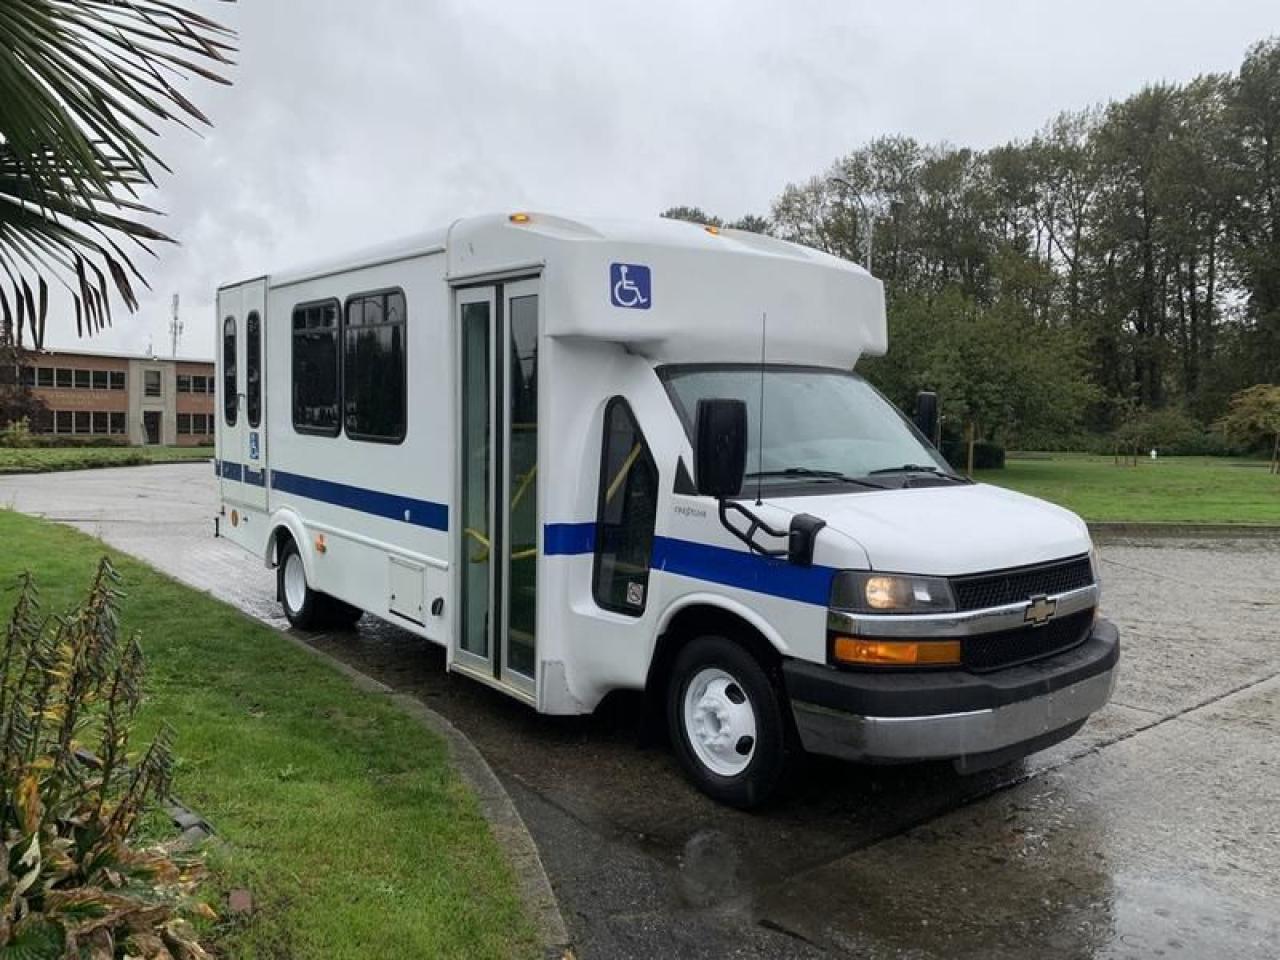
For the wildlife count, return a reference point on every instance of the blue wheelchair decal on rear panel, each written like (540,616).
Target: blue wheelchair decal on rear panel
(630,286)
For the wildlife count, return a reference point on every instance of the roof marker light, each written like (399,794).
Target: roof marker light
(712,229)
(519,218)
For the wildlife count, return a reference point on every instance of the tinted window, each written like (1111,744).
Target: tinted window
(151,382)
(628,504)
(64,377)
(83,379)
(44,376)
(184,383)
(84,422)
(62,421)
(229,370)
(315,368)
(373,367)
(28,376)
(253,367)
(100,421)
(184,423)
(117,423)
(100,379)
(117,379)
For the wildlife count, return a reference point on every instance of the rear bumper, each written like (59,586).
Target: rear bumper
(902,716)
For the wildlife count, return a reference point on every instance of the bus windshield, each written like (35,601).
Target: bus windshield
(818,424)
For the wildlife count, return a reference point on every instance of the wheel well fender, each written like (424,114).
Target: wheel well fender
(285,524)
(696,614)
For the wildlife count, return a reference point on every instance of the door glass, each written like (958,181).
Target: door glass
(522,484)
(475,479)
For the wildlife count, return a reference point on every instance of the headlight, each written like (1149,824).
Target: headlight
(867,592)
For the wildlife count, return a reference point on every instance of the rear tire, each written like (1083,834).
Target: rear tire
(305,608)
(727,721)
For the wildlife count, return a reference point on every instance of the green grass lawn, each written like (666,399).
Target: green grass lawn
(47,459)
(340,814)
(1173,489)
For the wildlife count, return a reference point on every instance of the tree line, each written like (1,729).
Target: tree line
(1121,265)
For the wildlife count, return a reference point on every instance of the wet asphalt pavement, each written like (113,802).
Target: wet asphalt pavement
(1154,832)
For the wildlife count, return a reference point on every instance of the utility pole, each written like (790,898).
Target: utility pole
(175,327)
(868,223)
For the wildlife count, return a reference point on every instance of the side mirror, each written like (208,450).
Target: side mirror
(720,454)
(926,418)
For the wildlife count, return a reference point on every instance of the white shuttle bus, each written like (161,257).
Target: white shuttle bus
(556,448)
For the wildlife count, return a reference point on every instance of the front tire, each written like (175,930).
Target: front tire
(727,722)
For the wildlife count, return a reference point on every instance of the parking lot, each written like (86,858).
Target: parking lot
(1152,833)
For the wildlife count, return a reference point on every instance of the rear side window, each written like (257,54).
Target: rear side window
(315,368)
(627,508)
(373,367)
(253,367)
(229,370)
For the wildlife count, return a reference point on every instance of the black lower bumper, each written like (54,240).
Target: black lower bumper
(904,715)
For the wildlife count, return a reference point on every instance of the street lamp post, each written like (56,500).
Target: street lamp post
(868,222)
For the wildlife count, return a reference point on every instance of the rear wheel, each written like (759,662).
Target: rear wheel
(308,609)
(727,721)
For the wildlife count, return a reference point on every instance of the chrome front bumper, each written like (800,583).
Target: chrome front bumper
(884,717)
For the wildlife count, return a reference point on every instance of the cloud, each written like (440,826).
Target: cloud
(349,124)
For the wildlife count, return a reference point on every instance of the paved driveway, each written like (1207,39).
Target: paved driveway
(1155,832)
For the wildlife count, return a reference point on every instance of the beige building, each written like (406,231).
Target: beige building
(128,399)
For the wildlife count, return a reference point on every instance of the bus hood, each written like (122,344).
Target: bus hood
(948,531)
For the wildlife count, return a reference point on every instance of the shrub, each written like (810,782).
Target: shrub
(17,433)
(986,456)
(75,886)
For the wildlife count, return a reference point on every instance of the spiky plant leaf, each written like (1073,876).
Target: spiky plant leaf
(84,87)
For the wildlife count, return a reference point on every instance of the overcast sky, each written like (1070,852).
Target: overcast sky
(352,123)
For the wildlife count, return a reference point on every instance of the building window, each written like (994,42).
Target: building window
(117,379)
(84,379)
(84,422)
(100,379)
(63,378)
(253,367)
(184,423)
(117,423)
(627,508)
(100,422)
(27,376)
(373,367)
(229,398)
(315,368)
(44,376)
(62,421)
(151,383)
(184,383)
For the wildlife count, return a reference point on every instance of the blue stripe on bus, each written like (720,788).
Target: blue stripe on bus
(421,513)
(256,477)
(699,561)
(567,539)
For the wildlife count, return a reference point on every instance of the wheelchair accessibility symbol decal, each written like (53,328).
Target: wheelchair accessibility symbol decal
(630,286)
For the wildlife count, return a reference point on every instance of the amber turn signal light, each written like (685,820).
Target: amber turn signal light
(896,653)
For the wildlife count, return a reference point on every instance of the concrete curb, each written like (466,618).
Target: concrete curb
(495,804)
(1216,531)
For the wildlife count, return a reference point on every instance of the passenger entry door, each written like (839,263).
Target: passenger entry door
(498,474)
(241,394)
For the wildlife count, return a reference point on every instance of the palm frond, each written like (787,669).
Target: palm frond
(85,87)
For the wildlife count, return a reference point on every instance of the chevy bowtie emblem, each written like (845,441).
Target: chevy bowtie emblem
(1040,611)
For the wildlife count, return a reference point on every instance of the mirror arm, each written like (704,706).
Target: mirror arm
(755,524)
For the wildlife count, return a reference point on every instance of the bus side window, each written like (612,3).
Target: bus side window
(627,509)
(229,397)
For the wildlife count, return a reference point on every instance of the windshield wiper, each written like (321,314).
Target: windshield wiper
(814,474)
(920,468)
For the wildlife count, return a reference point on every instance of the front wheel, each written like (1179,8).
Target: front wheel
(727,721)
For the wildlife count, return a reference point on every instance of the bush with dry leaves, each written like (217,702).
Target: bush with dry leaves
(74,883)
